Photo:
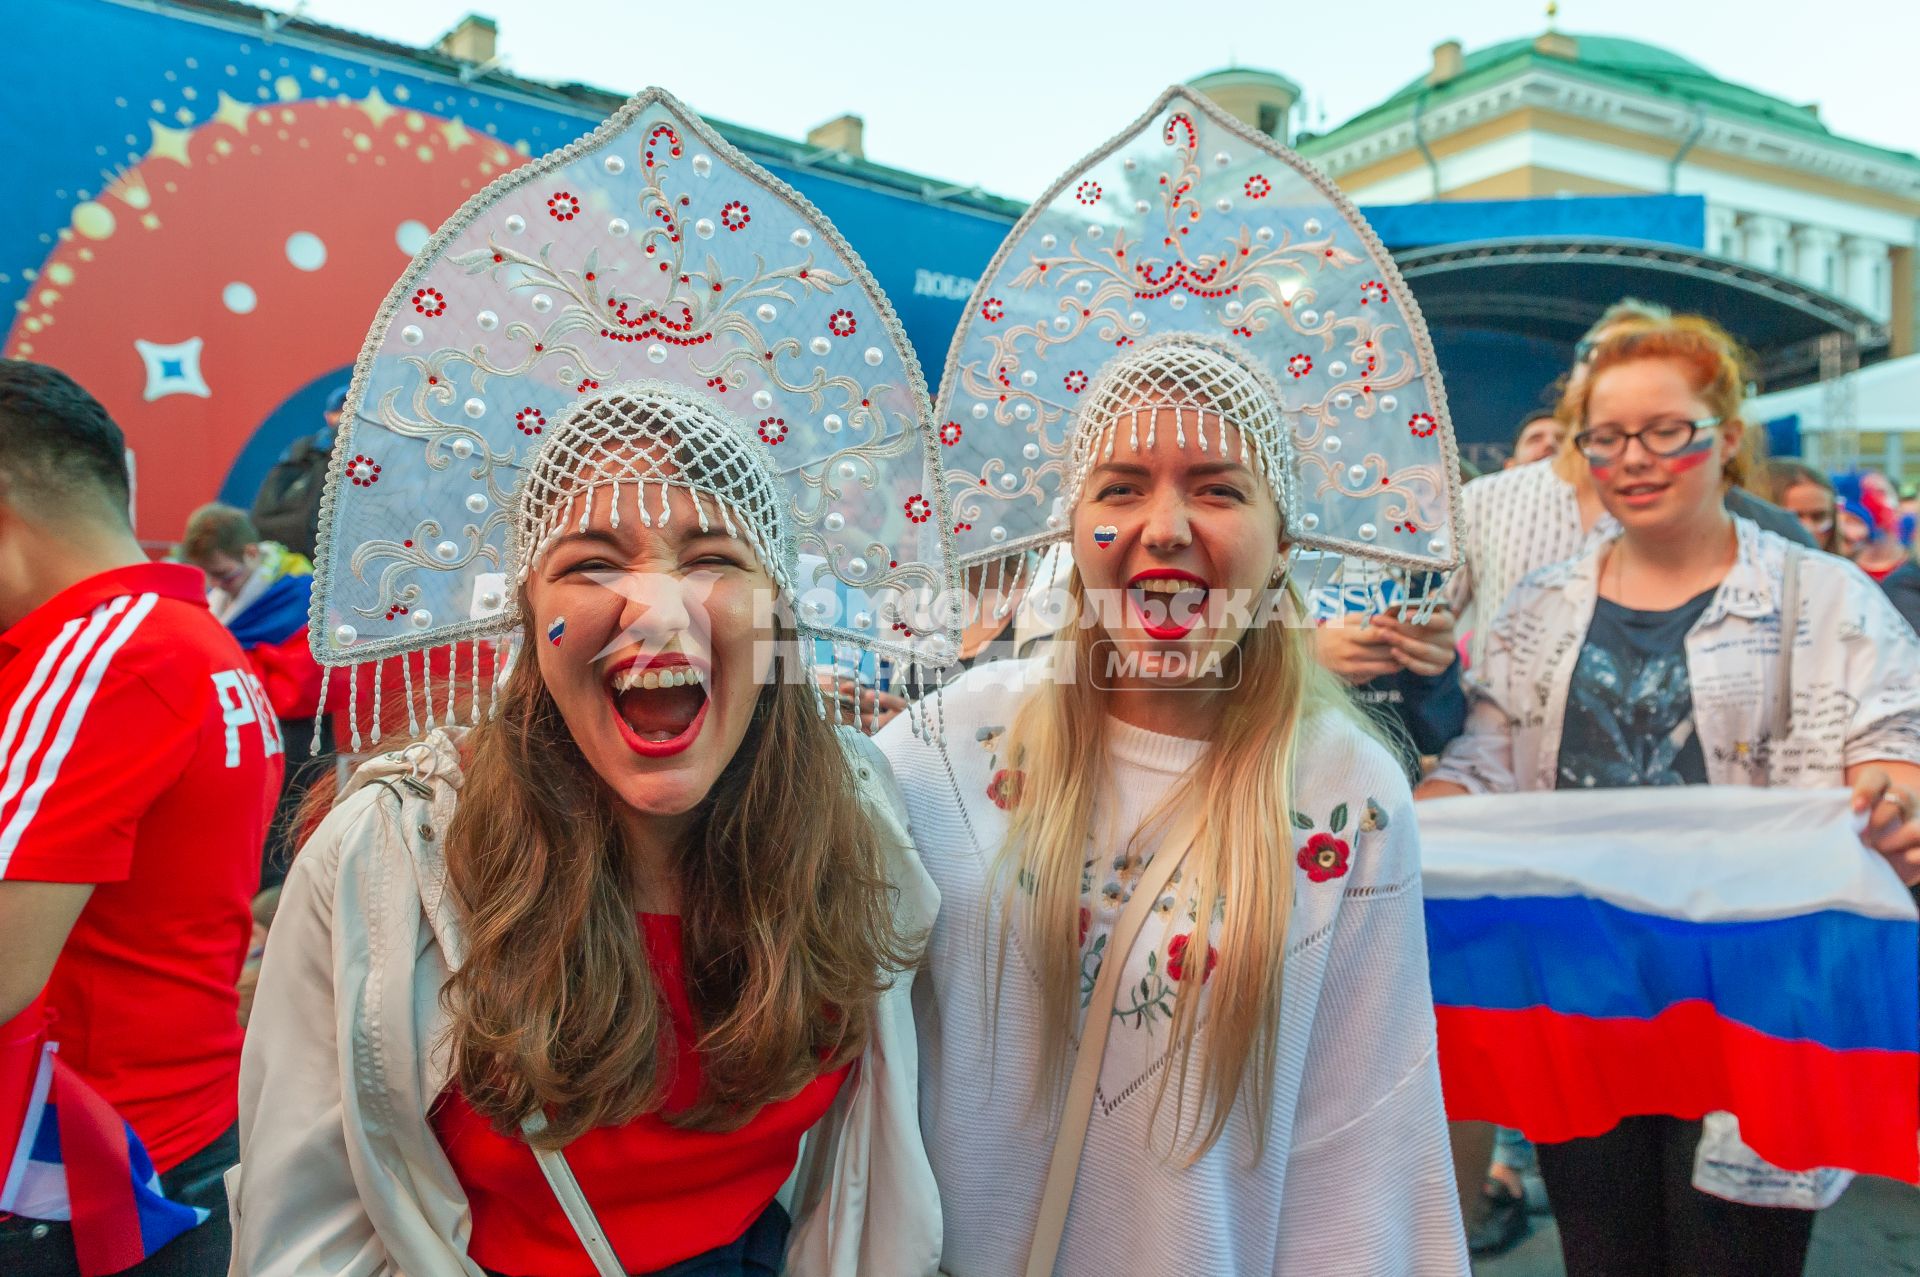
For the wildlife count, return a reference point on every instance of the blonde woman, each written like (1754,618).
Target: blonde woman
(1249,1086)
(560,989)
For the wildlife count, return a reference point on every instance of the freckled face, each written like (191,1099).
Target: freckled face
(663,647)
(1640,489)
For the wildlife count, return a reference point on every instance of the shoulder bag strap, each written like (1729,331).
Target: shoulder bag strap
(1789,628)
(1779,702)
(1072,1135)
(553,1164)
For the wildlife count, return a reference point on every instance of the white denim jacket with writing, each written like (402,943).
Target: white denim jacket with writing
(1853,678)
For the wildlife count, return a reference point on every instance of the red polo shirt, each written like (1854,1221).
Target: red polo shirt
(138,753)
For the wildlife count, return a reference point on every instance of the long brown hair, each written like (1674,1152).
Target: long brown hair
(787,926)
(1241,860)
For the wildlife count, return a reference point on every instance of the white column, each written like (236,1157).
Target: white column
(1815,250)
(1766,242)
(1723,231)
(1862,286)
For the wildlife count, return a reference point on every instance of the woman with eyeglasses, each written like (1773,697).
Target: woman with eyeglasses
(1652,659)
(1808,496)
(1521,519)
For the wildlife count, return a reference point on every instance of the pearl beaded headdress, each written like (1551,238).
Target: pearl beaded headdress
(1200,250)
(1201,380)
(643,309)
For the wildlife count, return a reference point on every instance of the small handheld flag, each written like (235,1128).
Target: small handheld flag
(73,1158)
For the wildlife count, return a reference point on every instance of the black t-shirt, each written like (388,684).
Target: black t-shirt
(1630,708)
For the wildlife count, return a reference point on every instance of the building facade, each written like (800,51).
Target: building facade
(1563,114)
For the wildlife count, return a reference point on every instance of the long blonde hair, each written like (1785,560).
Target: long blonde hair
(1241,861)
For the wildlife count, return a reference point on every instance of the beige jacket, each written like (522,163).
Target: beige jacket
(340,1172)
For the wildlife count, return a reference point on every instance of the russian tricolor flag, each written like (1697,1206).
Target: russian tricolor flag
(74,1158)
(1605,953)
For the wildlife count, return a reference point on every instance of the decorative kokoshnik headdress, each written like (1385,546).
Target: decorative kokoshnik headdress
(642,310)
(1197,264)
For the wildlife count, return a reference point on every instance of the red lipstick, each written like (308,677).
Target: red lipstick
(660,661)
(1166,628)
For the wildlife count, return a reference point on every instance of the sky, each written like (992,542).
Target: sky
(1005,94)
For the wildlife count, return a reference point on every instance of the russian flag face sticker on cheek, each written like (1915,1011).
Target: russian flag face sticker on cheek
(556,629)
(1104,536)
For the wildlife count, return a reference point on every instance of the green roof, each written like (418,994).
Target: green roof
(1613,61)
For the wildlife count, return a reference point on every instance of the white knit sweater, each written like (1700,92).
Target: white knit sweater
(1356,1178)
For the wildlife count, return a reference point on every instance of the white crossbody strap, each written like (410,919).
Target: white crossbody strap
(1072,1135)
(574,1202)
(1779,724)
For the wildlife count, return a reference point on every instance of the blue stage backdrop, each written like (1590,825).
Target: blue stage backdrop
(206,213)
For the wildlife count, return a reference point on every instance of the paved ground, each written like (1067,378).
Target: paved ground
(1872,1231)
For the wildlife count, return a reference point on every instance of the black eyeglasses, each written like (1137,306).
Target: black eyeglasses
(1663,437)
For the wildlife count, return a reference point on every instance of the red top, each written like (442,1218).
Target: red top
(661,1194)
(140,755)
(290,674)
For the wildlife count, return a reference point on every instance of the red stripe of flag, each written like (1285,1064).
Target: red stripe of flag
(93,1149)
(1801,1105)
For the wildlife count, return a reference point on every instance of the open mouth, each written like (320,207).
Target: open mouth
(1640,493)
(660,703)
(1168,603)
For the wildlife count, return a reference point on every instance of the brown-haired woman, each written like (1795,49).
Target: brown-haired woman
(1653,659)
(561,992)
(1808,496)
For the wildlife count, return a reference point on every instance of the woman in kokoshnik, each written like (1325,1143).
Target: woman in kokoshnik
(1268,1098)
(560,992)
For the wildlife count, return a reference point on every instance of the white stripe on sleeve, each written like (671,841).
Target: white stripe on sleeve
(25,700)
(21,753)
(76,712)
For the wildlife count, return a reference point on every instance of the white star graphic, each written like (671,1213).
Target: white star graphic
(173,369)
(655,591)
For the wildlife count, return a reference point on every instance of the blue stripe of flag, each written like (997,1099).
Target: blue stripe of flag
(161,1220)
(1838,979)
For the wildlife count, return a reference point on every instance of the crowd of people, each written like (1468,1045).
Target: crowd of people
(692,936)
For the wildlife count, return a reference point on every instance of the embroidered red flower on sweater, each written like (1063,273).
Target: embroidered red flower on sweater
(1177,959)
(1086,920)
(1324,858)
(1004,788)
